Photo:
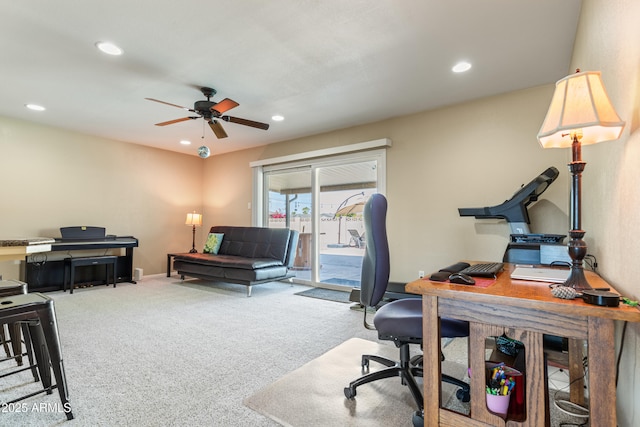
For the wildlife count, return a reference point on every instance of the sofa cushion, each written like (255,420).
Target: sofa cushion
(212,245)
(226,261)
(254,242)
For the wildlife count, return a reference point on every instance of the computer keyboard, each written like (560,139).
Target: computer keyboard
(490,269)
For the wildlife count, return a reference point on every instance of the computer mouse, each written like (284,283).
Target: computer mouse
(462,279)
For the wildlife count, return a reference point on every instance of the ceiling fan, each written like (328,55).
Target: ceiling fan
(212,112)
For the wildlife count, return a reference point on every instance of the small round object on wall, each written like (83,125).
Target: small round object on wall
(204,151)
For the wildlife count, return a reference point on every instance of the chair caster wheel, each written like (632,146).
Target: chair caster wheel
(463,395)
(349,392)
(418,419)
(365,363)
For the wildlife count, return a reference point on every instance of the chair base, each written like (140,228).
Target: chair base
(418,419)
(408,369)
(464,389)
(402,369)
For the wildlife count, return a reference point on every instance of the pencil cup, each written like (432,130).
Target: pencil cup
(498,404)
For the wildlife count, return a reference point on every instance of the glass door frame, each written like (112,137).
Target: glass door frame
(260,195)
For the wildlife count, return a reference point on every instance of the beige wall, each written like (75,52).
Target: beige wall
(608,40)
(470,155)
(54,178)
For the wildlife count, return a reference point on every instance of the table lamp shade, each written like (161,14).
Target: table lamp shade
(580,104)
(194,219)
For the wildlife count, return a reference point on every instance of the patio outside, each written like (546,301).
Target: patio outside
(341,245)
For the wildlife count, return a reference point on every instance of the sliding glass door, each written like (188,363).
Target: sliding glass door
(344,189)
(323,201)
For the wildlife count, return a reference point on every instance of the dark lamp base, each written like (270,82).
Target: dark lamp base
(577,280)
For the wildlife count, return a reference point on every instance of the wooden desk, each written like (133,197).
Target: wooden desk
(524,311)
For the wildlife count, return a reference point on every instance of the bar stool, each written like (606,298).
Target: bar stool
(39,312)
(9,288)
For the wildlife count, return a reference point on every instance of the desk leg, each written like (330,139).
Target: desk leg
(114,267)
(431,352)
(478,333)
(602,371)
(576,371)
(72,279)
(169,265)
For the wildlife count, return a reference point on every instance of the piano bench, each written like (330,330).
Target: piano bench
(70,265)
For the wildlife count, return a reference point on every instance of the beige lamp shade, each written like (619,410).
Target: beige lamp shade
(194,219)
(580,106)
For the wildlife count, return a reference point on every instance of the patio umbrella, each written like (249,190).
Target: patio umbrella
(350,209)
(347,210)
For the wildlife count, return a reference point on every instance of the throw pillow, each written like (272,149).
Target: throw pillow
(212,246)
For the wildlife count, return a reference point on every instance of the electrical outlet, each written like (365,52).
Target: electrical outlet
(421,274)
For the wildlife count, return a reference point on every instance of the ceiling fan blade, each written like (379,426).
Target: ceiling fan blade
(217,128)
(170,122)
(245,122)
(168,103)
(224,105)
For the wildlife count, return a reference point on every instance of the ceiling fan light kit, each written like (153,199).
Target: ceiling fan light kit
(211,112)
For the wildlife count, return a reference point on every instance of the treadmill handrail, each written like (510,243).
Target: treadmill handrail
(515,208)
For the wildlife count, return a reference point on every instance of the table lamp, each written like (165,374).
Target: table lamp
(580,114)
(194,220)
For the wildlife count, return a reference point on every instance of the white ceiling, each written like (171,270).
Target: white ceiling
(323,64)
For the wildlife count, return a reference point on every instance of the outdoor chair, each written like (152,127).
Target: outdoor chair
(357,239)
(399,321)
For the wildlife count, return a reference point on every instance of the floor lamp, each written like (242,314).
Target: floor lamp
(580,114)
(194,220)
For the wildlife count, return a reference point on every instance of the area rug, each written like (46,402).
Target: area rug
(326,294)
(313,395)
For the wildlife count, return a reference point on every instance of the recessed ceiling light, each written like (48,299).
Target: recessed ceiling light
(109,48)
(277,118)
(35,107)
(461,67)
(185,142)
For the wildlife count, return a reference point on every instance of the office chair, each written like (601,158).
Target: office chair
(399,321)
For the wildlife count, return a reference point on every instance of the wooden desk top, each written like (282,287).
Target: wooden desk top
(526,294)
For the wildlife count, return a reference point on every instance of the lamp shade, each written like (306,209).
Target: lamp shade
(193,219)
(580,104)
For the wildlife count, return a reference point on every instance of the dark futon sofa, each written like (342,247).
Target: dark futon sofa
(247,256)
